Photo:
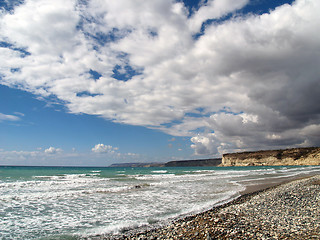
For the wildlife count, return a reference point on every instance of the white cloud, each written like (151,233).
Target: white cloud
(214,9)
(53,150)
(101,148)
(5,117)
(205,144)
(117,156)
(247,82)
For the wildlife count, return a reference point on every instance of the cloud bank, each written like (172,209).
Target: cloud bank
(247,82)
(101,155)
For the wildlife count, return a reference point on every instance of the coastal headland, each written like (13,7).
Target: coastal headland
(282,157)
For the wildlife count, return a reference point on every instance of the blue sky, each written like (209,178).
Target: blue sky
(100,82)
(41,124)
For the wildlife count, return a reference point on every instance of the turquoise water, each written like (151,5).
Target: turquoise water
(67,202)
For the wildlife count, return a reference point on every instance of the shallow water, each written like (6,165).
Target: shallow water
(63,202)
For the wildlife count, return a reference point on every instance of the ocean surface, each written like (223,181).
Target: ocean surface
(68,202)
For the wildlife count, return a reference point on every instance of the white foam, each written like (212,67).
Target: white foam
(160,171)
(204,171)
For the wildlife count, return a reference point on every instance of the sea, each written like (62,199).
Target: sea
(75,202)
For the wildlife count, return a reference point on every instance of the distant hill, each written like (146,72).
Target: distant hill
(195,163)
(137,165)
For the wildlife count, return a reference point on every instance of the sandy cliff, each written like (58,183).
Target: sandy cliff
(294,156)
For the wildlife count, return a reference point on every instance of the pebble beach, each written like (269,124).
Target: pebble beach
(288,211)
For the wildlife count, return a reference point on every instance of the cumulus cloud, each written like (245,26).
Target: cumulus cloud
(245,83)
(205,144)
(53,150)
(113,152)
(101,148)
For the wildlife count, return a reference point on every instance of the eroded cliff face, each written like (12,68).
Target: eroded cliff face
(294,156)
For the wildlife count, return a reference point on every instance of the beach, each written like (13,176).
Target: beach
(290,210)
(158,203)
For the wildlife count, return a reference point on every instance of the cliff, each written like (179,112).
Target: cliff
(195,163)
(294,156)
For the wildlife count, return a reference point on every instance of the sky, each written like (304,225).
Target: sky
(91,83)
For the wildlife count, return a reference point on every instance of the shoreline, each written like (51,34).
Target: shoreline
(236,220)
